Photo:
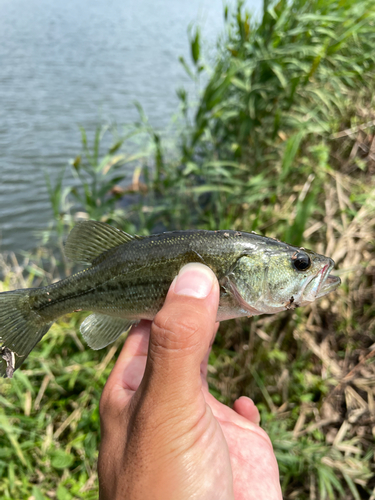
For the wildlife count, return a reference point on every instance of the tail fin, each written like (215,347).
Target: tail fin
(21,328)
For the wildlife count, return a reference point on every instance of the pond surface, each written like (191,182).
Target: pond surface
(82,62)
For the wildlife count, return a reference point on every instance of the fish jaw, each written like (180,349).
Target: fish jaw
(329,285)
(320,285)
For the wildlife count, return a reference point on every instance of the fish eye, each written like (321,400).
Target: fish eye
(301,261)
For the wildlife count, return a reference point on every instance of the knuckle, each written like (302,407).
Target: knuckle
(107,404)
(174,331)
(104,403)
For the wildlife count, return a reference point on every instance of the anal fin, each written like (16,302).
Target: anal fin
(100,330)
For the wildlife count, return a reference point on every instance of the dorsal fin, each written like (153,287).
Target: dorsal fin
(89,239)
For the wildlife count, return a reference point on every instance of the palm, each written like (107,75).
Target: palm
(250,449)
(251,456)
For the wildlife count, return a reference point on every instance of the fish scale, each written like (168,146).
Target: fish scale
(129,277)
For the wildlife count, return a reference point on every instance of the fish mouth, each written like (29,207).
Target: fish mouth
(320,285)
(329,285)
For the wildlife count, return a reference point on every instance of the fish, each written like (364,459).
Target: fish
(127,278)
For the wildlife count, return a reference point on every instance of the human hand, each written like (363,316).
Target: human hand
(164,436)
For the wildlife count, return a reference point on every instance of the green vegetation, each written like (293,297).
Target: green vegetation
(282,143)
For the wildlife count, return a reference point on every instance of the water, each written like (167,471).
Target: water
(78,62)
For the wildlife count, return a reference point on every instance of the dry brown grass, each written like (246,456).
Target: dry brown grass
(326,351)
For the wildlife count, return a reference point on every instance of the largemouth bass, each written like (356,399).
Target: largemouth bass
(129,277)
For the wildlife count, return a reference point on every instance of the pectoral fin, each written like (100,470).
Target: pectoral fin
(100,330)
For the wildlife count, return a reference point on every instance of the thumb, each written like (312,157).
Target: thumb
(181,334)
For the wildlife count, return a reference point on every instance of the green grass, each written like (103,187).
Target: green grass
(281,143)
